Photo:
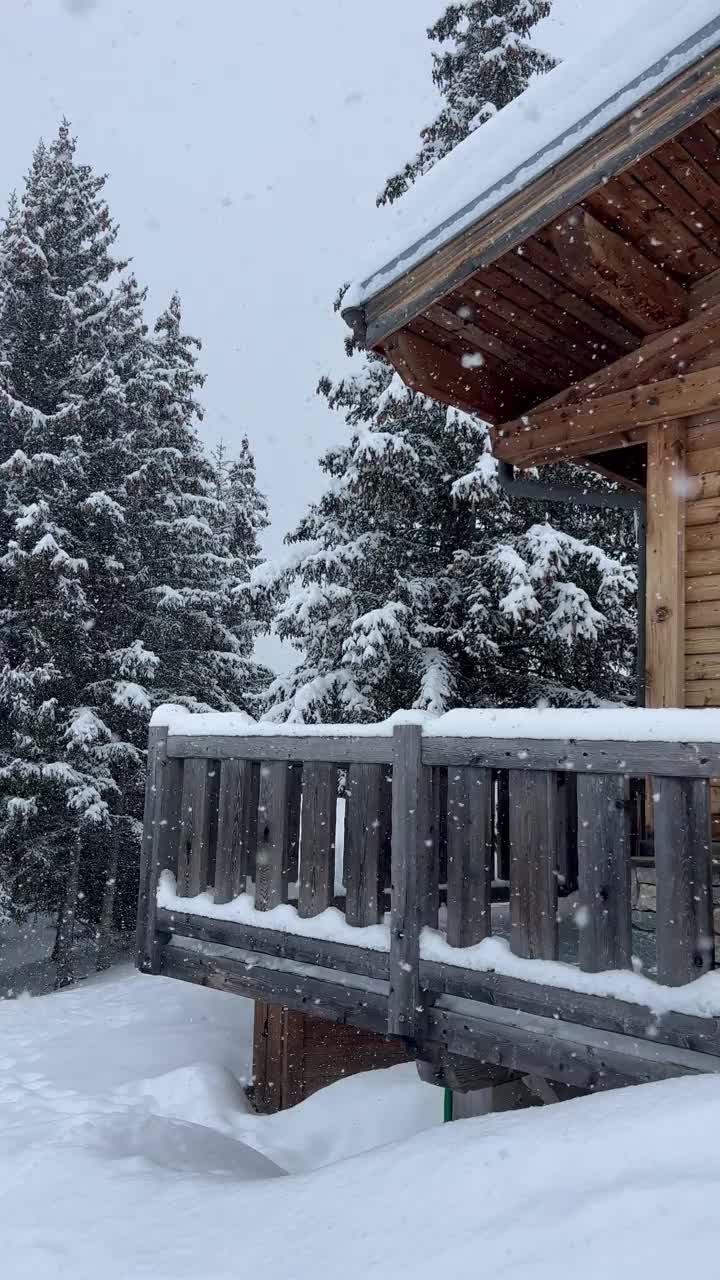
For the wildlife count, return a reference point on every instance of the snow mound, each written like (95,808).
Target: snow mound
(127,1151)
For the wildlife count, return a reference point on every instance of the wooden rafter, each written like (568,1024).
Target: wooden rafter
(575,429)
(680,102)
(604,264)
(439,373)
(489,344)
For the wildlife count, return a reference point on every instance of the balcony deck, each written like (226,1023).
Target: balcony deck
(408,934)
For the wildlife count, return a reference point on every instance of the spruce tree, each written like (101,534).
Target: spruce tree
(404,590)
(416,581)
(193,614)
(119,585)
(61,434)
(483,59)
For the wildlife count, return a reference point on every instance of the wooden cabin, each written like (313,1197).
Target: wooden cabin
(559,275)
(574,303)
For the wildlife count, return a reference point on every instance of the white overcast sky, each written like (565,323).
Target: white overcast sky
(245,141)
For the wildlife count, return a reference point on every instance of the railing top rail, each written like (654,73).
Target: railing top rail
(681,743)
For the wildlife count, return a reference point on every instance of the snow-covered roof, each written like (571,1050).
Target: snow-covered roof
(558,113)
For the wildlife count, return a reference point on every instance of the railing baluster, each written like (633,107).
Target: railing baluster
(278,831)
(317,841)
(433,780)
(470,856)
(367,820)
(237,826)
(533,864)
(604,872)
(195,834)
(684,922)
(411,791)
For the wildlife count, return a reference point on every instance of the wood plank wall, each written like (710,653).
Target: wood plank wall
(702,574)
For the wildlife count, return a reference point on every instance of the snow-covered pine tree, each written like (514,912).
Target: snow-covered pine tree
(402,590)
(246,507)
(482,60)
(413,582)
(119,585)
(195,631)
(63,533)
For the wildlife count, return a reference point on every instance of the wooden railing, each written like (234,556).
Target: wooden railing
(436,829)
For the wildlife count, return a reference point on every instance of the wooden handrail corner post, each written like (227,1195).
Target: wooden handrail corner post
(161,821)
(411,789)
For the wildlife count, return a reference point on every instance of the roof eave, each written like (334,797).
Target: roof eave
(651,120)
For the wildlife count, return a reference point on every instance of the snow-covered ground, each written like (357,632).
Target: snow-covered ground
(127,1152)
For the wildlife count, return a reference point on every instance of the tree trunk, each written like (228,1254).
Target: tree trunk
(107,910)
(66,924)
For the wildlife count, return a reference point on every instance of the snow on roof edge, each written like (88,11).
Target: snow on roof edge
(401,257)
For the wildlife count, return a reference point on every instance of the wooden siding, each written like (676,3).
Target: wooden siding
(702,576)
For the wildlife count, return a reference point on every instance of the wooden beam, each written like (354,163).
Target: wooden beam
(663,356)
(606,266)
(665,610)
(602,1012)
(570,430)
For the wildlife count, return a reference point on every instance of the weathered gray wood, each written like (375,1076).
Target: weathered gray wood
(601,1012)
(316,889)
(462,1075)
(684,923)
(470,856)
(237,826)
(159,842)
(274,942)
(367,822)
(323,995)
(193,875)
(278,832)
(604,873)
(533,865)
(516,1042)
(676,759)
(575,1055)
(430,889)
(327,748)
(410,798)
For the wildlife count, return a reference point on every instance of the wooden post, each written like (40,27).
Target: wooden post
(470,855)
(163,790)
(237,826)
(533,864)
(684,921)
(367,820)
(317,842)
(665,610)
(604,872)
(195,855)
(410,820)
(278,831)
